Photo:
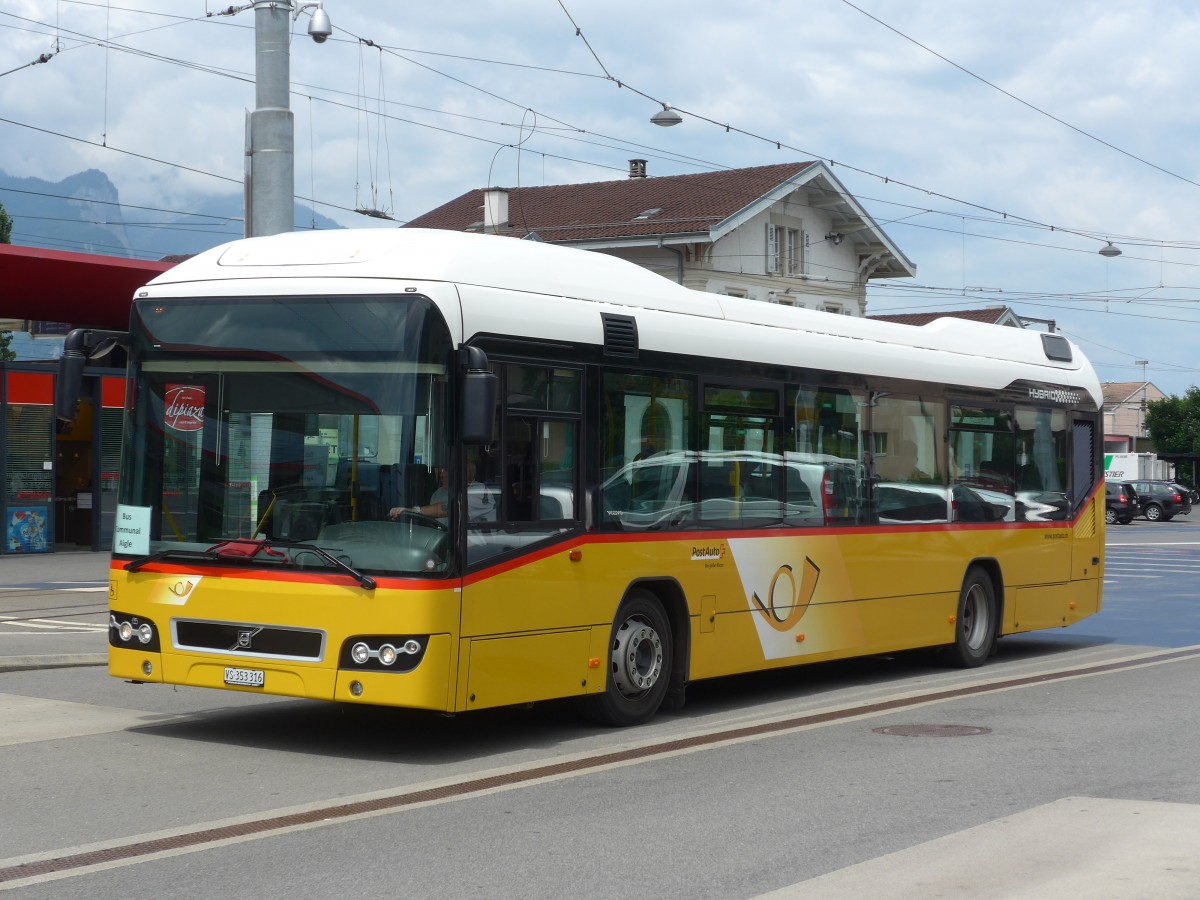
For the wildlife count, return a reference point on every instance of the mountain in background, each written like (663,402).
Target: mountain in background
(82,213)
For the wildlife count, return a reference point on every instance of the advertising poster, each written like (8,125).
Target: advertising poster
(25,531)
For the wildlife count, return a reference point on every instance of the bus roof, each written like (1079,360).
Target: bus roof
(551,274)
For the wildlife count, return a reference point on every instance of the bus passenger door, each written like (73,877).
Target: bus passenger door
(526,632)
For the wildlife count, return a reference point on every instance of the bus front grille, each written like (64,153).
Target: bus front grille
(248,639)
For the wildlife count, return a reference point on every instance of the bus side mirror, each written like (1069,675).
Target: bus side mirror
(68,386)
(479,391)
(80,346)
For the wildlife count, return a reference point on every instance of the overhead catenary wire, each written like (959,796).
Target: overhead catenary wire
(578,134)
(998,215)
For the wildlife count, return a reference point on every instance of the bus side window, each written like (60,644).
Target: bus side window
(518,474)
(826,448)
(646,454)
(538,471)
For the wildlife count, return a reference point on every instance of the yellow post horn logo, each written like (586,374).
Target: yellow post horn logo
(795,604)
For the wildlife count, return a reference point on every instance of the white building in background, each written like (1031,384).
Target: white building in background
(787,233)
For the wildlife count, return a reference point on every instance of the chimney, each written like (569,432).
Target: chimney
(495,210)
(637,168)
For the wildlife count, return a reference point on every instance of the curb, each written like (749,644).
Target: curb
(52,661)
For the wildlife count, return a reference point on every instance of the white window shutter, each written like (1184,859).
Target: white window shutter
(772,248)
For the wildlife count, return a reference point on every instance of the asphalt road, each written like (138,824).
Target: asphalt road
(1066,767)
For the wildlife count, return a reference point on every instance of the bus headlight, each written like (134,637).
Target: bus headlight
(124,629)
(383,652)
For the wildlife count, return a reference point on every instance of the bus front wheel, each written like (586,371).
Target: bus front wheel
(975,624)
(639,663)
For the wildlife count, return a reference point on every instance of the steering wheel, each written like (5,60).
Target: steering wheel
(422,519)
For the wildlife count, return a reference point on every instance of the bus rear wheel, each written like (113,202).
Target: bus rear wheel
(975,624)
(640,655)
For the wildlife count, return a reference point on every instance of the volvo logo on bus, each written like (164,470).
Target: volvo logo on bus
(245,636)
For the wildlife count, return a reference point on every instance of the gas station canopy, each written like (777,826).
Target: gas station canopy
(82,289)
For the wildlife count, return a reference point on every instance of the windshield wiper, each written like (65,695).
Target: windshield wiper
(365,580)
(134,564)
(246,548)
(236,547)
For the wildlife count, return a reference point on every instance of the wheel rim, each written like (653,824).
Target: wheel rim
(1110,517)
(636,657)
(1153,513)
(976,617)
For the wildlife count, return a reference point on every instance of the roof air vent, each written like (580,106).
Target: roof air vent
(1057,347)
(620,335)
(637,168)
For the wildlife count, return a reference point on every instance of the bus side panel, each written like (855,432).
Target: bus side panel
(525,668)
(755,600)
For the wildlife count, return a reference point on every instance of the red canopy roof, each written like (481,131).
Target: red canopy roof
(82,289)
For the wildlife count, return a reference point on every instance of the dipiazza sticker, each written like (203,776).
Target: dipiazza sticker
(184,407)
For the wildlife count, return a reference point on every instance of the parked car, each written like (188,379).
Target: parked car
(1120,503)
(1190,495)
(1161,501)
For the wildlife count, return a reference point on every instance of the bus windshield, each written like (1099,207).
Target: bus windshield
(320,445)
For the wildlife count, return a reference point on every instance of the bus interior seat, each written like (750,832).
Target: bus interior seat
(715,483)
(417,484)
(549,509)
(299,520)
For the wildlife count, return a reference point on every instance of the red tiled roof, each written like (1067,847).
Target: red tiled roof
(686,204)
(992,315)
(1120,391)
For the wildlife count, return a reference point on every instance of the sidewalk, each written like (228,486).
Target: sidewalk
(40,568)
(50,606)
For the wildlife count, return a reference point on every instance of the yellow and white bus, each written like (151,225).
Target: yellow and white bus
(451,472)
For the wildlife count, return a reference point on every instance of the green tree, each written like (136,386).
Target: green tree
(1173,424)
(5,238)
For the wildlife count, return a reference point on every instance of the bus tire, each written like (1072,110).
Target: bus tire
(639,663)
(975,623)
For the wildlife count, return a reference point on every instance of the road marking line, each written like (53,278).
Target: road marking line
(68,862)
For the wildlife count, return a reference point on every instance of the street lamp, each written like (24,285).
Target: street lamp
(666,117)
(1142,406)
(1109,251)
(270,183)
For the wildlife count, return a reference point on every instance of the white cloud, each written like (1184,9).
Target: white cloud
(821,77)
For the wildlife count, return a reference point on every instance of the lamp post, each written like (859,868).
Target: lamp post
(270,157)
(1141,407)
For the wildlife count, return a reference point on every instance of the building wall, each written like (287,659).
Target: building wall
(800,267)
(1124,421)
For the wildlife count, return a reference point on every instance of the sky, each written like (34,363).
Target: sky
(1000,145)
